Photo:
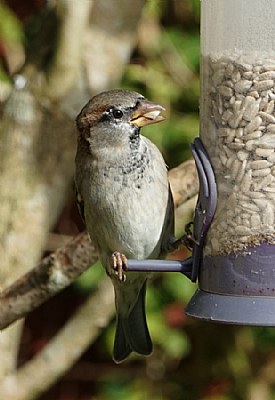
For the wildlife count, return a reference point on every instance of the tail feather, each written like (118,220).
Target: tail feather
(121,346)
(132,333)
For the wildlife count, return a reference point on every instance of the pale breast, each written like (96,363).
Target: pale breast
(128,206)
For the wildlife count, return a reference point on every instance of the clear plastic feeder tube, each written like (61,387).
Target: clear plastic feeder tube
(238,119)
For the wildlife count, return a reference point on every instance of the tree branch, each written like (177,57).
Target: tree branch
(61,268)
(110,40)
(51,275)
(74,17)
(64,349)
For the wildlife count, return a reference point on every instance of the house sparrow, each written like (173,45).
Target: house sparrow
(126,202)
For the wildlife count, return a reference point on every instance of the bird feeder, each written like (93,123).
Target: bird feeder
(237,270)
(234,235)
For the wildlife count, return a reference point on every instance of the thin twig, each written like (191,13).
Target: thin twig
(54,273)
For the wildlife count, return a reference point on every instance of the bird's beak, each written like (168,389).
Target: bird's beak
(147,113)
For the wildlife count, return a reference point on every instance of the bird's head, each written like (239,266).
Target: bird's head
(114,118)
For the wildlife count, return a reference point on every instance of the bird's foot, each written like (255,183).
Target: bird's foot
(119,265)
(186,240)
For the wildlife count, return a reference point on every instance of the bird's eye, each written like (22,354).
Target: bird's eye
(117,114)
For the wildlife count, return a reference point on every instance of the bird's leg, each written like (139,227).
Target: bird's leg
(187,239)
(119,265)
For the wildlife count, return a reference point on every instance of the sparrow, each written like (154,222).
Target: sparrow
(125,200)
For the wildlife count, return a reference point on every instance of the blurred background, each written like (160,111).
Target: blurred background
(192,360)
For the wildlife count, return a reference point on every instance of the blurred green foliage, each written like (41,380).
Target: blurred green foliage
(10,28)
(165,68)
(88,281)
(11,36)
(192,360)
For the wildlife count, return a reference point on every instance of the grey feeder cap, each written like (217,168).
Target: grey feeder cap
(237,289)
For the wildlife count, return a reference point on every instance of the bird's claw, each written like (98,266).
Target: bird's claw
(119,265)
(186,240)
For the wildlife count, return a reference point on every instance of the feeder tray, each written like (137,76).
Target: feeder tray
(237,289)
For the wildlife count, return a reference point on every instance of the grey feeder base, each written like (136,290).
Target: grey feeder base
(237,289)
(245,310)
